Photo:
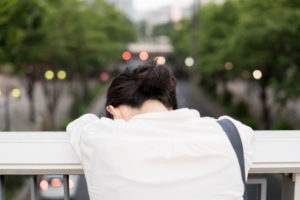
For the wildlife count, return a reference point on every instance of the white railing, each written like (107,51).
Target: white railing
(35,153)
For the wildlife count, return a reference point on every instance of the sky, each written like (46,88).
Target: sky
(146,5)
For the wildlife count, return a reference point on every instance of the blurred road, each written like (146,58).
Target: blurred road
(190,96)
(19,108)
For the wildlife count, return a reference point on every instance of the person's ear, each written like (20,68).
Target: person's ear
(114,112)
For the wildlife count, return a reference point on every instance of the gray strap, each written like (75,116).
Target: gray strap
(235,139)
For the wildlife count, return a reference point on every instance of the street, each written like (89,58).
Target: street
(19,108)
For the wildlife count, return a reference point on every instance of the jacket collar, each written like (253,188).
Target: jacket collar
(179,114)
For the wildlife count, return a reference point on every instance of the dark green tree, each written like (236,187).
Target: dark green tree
(267,39)
(82,37)
(248,35)
(22,40)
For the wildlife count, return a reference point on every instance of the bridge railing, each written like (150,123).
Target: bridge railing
(39,153)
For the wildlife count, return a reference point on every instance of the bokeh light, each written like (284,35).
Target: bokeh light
(228,66)
(16,93)
(0,93)
(160,60)
(56,182)
(257,74)
(49,74)
(44,185)
(71,184)
(61,74)
(104,76)
(126,55)
(189,61)
(144,55)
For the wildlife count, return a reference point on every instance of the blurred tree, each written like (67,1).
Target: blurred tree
(165,29)
(218,23)
(141,28)
(181,39)
(22,40)
(267,39)
(86,37)
(82,36)
(238,37)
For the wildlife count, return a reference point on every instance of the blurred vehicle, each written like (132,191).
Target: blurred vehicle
(52,187)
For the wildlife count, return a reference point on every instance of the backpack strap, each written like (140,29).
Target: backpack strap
(235,139)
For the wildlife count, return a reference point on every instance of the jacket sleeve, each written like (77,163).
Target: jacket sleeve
(75,130)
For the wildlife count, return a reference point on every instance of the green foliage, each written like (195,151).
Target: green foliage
(240,109)
(217,24)
(141,28)
(251,34)
(256,34)
(163,29)
(20,35)
(249,122)
(282,125)
(81,37)
(181,39)
(227,97)
(79,34)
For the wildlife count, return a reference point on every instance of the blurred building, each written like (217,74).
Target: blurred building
(125,6)
(174,12)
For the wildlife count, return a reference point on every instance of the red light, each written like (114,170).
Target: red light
(126,55)
(144,55)
(44,185)
(104,76)
(71,184)
(56,182)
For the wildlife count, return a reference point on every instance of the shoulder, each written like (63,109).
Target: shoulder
(81,121)
(89,123)
(248,139)
(244,130)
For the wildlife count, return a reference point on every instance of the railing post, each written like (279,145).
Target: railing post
(33,188)
(66,187)
(287,187)
(2,188)
(297,186)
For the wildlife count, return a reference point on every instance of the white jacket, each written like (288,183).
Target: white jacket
(173,155)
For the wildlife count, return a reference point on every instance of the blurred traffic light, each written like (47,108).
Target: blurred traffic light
(160,60)
(16,93)
(49,74)
(144,55)
(104,76)
(61,74)
(189,61)
(126,55)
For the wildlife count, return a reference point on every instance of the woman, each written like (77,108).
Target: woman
(147,149)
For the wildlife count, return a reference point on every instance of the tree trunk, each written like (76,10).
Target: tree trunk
(6,113)
(85,87)
(49,97)
(76,99)
(30,93)
(51,111)
(266,117)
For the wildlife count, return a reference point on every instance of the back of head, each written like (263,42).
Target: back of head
(147,81)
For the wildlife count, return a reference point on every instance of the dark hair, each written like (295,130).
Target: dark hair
(148,81)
